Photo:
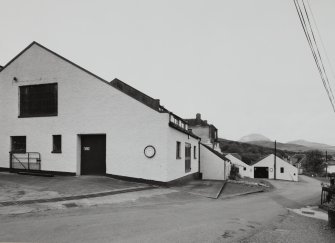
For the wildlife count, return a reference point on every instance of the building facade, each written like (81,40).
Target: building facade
(275,168)
(213,164)
(58,117)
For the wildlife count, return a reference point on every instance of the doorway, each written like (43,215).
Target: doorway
(261,172)
(93,155)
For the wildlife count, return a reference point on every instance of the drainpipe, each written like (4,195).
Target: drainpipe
(275,161)
(199,158)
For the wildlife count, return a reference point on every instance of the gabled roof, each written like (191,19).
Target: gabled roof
(116,83)
(215,152)
(54,53)
(261,158)
(235,155)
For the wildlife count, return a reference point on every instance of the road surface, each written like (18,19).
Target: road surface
(172,217)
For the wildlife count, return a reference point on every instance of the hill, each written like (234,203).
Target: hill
(282,146)
(250,153)
(319,146)
(254,137)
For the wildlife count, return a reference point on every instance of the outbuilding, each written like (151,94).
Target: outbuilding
(245,170)
(57,117)
(273,167)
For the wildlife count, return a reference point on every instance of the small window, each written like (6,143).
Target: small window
(195,152)
(178,150)
(19,144)
(56,143)
(244,168)
(281,169)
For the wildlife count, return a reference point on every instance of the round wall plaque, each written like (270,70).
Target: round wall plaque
(149,151)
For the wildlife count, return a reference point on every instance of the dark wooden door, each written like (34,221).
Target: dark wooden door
(187,157)
(261,172)
(93,154)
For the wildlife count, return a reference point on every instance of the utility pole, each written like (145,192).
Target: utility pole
(326,165)
(275,162)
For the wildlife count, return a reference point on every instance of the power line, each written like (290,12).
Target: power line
(315,50)
(322,43)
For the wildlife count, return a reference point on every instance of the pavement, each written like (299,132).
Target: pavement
(205,188)
(168,215)
(16,187)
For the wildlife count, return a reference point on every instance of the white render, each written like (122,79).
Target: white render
(88,105)
(331,169)
(212,166)
(290,171)
(244,169)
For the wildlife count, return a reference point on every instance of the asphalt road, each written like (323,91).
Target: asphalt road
(172,217)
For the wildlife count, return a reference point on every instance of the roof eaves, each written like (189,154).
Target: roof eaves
(172,125)
(56,54)
(216,152)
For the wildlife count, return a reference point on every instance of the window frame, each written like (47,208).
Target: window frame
(24,114)
(188,157)
(19,151)
(54,149)
(178,150)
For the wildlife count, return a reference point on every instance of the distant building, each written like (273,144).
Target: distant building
(297,160)
(213,164)
(207,132)
(330,166)
(265,168)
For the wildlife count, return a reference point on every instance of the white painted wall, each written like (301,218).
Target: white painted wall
(202,132)
(212,166)
(247,172)
(331,169)
(290,171)
(176,167)
(86,105)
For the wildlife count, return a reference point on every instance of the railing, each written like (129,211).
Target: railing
(25,161)
(178,121)
(326,195)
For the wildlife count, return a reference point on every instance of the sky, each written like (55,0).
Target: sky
(244,65)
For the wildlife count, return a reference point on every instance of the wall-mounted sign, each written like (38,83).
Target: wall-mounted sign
(149,151)
(87,148)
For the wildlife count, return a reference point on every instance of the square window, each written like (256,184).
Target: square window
(38,100)
(56,143)
(18,144)
(178,146)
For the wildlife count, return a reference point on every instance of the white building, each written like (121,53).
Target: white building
(245,170)
(78,123)
(330,167)
(213,164)
(265,168)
